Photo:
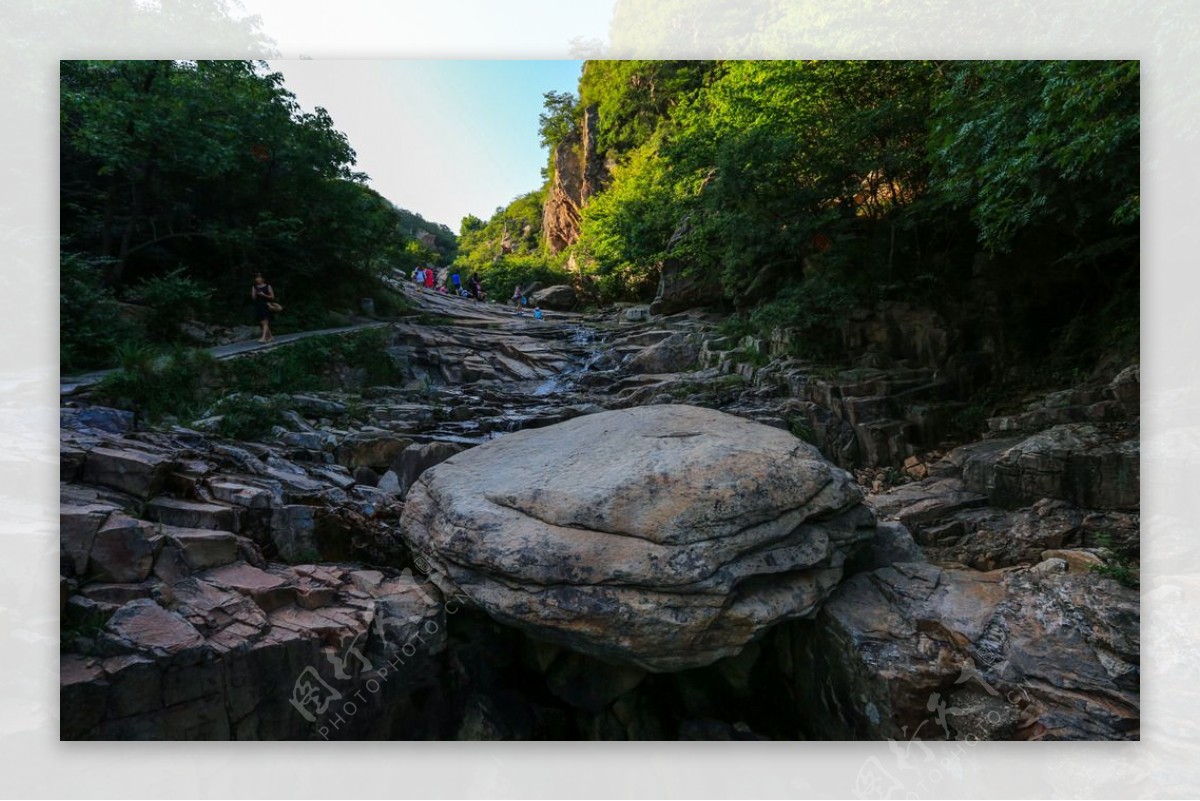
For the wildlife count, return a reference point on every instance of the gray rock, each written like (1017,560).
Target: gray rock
(77,530)
(114,421)
(637,314)
(132,471)
(370,449)
(143,625)
(389,482)
(590,684)
(203,548)
(674,354)
(193,514)
(892,650)
(416,459)
(121,550)
(1078,463)
(293,530)
(366,476)
(892,543)
(665,537)
(560,297)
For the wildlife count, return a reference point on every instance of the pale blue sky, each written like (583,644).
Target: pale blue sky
(441,138)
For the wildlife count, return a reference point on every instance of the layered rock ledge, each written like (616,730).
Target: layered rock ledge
(666,537)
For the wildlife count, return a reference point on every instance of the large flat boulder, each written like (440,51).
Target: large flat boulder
(665,536)
(560,297)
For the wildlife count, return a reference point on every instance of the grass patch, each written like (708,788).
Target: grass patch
(155,383)
(1124,571)
(802,430)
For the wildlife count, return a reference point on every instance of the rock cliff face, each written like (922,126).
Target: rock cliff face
(579,172)
(665,537)
(1033,654)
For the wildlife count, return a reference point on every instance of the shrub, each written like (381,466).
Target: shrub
(91,325)
(815,308)
(154,382)
(172,298)
(248,416)
(502,275)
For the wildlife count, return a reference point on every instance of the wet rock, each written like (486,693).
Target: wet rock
(692,532)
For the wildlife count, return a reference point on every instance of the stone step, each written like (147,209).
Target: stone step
(203,548)
(193,514)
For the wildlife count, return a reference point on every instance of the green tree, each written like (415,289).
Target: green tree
(1028,144)
(560,118)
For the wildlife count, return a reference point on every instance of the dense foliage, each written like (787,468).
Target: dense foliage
(205,173)
(507,250)
(807,186)
(185,382)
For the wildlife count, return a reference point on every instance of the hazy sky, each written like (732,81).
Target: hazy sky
(441,138)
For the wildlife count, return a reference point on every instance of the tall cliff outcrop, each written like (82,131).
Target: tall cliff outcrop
(579,172)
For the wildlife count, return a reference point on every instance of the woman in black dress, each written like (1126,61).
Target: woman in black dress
(263,295)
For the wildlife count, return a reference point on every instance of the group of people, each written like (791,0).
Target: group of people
(426,278)
(265,305)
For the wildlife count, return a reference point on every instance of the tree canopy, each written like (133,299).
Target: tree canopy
(210,171)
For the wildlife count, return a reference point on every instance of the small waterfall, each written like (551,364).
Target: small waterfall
(586,340)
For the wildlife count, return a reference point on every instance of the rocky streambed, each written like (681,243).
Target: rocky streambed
(615,527)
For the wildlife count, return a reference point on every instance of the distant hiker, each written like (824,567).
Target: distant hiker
(419,277)
(456,283)
(430,277)
(517,296)
(264,298)
(537,312)
(476,287)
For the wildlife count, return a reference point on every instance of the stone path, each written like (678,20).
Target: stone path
(465,313)
(68,385)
